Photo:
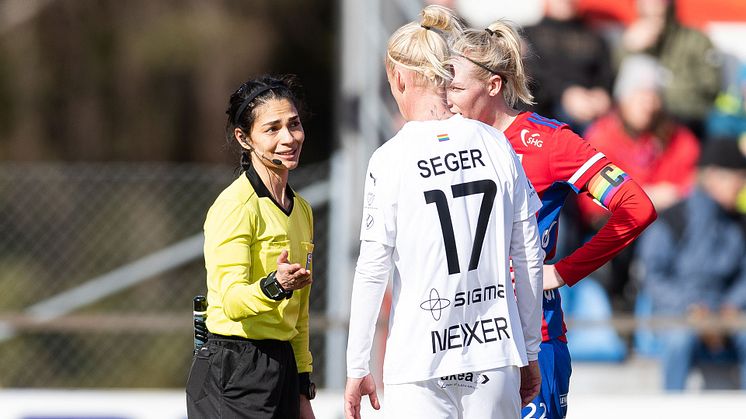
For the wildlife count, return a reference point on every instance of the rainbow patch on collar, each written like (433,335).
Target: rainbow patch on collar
(606,182)
(443,137)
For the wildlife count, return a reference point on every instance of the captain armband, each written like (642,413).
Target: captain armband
(604,184)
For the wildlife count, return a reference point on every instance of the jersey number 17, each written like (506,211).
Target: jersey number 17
(438,197)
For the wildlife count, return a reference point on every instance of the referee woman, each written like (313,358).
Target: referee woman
(258,252)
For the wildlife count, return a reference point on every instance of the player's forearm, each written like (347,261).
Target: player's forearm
(528,258)
(371,277)
(631,212)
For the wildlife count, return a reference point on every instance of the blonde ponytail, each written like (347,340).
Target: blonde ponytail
(497,50)
(422,47)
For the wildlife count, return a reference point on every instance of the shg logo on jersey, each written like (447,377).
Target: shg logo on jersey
(532,139)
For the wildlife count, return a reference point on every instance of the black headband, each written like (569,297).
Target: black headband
(479,65)
(250,98)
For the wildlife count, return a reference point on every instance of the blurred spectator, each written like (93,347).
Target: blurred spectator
(642,138)
(689,55)
(694,13)
(480,13)
(645,142)
(451,4)
(571,66)
(728,116)
(693,262)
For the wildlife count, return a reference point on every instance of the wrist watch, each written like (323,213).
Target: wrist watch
(271,288)
(307,387)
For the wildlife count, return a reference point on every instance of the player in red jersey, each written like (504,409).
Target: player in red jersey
(489,80)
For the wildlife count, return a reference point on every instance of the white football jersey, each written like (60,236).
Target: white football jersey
(444,195)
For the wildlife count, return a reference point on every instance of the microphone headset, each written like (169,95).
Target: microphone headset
(276,162)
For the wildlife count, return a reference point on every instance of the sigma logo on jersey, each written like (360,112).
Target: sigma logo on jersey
(546,235)
(532,139)
(478,295)
(435,305)
(443,137)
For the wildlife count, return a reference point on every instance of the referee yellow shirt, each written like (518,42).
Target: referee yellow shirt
(245,232)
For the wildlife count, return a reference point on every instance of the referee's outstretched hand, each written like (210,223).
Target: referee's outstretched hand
(355,389)
(291,276)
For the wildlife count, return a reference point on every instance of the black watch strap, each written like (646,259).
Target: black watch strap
(306,386)
(272,289)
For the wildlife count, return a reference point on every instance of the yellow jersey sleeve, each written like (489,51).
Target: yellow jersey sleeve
(229,233)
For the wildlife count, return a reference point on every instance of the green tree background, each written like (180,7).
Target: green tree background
(148,80)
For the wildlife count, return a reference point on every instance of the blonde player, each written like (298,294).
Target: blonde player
(488,81)
(446,205)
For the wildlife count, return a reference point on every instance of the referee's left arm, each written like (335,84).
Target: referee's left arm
(300,342)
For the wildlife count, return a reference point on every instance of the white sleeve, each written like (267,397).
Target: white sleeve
(527,202)
(371,277)
(379,205)
(528,259)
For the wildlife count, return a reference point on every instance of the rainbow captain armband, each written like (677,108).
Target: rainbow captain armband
(604,184)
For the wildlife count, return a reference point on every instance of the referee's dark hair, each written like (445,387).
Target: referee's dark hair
(250,95)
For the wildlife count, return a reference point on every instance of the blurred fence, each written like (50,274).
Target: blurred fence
(63,225)
(68,227)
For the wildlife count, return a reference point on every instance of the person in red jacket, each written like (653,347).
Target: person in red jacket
(489,80)
(648,144)
(660,153)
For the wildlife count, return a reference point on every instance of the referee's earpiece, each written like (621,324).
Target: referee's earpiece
(242,140)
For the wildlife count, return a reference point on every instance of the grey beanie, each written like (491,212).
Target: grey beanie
(639,72)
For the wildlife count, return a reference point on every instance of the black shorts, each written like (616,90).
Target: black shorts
(233,377)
